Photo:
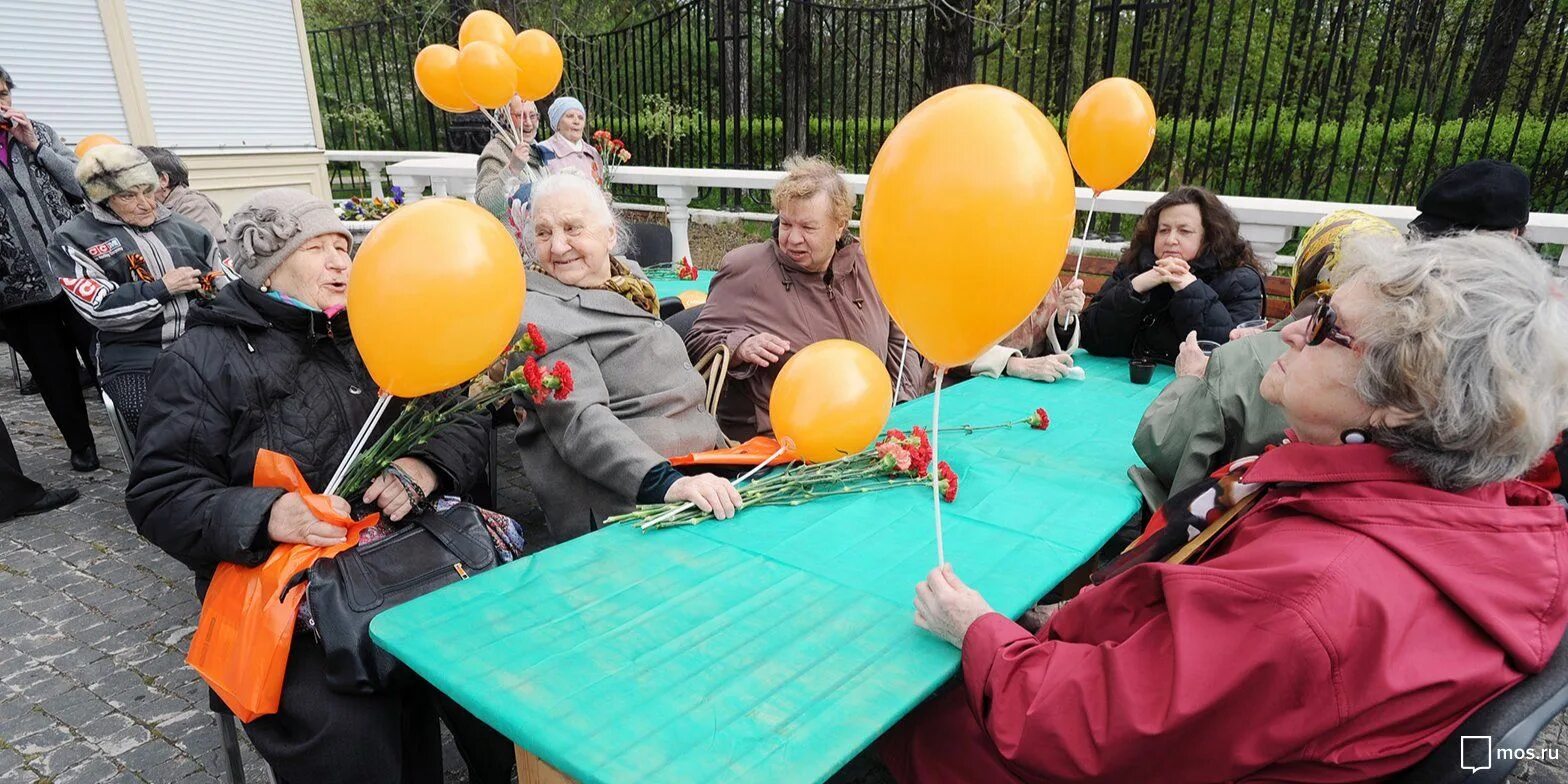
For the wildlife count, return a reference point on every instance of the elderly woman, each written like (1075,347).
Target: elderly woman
(567,148)
(1213,412)
(508,170)
(38,192)
(637,400)
(271,364)
(1041,348)
(176,193)
(131,267)
(1359,591)
(1187,269)
(808,283)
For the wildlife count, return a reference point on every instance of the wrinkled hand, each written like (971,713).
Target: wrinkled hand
(181,280)
(22,129)
(1047,368)
(712,494)
(389,494)
(1071,302)
(1035,618)
(290,521)
(1239,332)
(1190,360)
(762,349)
(946,607)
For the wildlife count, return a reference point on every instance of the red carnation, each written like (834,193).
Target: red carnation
(535,379)
(896,434)
(948,481)
(601,134)
(1039,420)
(564,374)
(536,339)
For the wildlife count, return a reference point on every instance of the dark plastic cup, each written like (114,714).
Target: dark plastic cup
(1140,370)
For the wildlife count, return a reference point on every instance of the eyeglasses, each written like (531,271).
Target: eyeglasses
(1321,327)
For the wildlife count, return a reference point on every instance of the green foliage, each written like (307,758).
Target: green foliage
(667,122)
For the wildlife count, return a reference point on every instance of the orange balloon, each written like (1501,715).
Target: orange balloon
(435,72)
(434,296)
(831,399)
(94,140)
(1110,132)
(539,63)
(484,26)
(962,270)
(487,74)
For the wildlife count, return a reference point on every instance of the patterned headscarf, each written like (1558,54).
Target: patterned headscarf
(1319,250)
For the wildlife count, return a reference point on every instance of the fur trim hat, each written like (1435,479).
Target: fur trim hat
(114,168)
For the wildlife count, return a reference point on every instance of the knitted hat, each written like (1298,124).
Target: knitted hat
(273,224)
(560,106)
(1483,195)
(1318,253)
(114,168)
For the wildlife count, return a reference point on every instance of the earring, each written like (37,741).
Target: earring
(266,285)
(1354,436)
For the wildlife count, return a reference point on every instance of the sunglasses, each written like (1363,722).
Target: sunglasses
(1321,327)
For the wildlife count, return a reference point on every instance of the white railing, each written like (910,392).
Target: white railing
(374,161)
(1266,223)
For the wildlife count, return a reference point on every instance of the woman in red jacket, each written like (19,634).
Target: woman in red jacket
(1383,576)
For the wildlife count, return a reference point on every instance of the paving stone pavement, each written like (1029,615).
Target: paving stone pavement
(94,623)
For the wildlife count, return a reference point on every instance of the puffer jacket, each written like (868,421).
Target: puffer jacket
(256,373)
(38,192)
(1123,323)
(113,272)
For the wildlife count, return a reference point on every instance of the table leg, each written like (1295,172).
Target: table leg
(532,770)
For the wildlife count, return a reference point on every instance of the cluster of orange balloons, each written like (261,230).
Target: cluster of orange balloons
(489,66)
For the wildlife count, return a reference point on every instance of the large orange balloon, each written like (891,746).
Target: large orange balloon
(484,26)
(434,296)
(963,247)
(831,399)
(1110,132)
(539,63)
(435,72)
(94,140)
(487,74)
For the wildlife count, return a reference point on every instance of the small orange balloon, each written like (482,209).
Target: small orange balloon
(1110,132)
(539,63)
(831,400)
(435,72)
(484,26)
(487,74)
(691,299)
(434,296)
(94,140)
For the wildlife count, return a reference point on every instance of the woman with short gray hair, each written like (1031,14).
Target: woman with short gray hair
(1340,603)
(176,193)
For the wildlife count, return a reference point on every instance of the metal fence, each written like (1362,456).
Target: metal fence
(1344,100)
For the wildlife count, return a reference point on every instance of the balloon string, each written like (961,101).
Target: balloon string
(901,353)
(936,462)
(505,135)
(662,516)
(1082,242)
(382,399)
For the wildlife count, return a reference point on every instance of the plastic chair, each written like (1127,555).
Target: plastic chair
(681,321)
(714,367)
(652,245)
(1511,722)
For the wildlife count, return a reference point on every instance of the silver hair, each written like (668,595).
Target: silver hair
(1470,334)
(574,183)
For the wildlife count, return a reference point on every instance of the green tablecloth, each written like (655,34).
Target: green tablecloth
(672,286)
(775,646)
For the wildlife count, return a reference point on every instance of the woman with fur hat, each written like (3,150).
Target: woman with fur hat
(131,267)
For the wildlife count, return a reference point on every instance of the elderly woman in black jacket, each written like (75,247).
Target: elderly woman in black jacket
(1187,269)
(270,363)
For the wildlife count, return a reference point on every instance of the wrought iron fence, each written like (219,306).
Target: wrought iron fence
(1344,100)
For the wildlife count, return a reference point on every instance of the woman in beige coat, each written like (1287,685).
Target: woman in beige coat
(636,400)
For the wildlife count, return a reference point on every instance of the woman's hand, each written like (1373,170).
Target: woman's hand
(1047,368)
(22,129)
(389,494)
(712,494)
(762,349)
(1071,302)
(181,280)
(1035,618)
(1190,360)
(1177,272)
(946,607)
(1148,280)
(290,521)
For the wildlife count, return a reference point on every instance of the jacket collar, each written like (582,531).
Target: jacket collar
(1307,464)
(243,305)
(843,263)
(540,282)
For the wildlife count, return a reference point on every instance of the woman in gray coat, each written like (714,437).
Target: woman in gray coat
(637,401)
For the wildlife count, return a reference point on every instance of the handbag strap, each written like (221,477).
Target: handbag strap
(1215,528)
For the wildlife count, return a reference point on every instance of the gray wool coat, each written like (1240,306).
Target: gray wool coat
(636,402)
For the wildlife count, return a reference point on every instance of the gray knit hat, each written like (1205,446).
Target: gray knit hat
(273,224)
(114,168)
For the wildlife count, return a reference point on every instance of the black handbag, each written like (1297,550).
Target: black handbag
(346,591)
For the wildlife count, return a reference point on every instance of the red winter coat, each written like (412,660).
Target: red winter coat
(1337,632)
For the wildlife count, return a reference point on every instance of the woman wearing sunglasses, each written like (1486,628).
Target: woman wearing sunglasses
(1348,599)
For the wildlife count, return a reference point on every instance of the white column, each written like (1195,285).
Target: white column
(373,173)
(413,187)
(438,186)
(1266,240)
(678,198)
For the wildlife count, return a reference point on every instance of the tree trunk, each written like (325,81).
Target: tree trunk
(949,48)
(796,54)
(1498,46)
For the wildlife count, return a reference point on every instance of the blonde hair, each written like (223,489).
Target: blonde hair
(805,176)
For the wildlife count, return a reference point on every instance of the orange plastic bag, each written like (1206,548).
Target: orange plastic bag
(751,453)
(241,645)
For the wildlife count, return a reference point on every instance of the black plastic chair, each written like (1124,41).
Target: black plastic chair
(669,306)
(652,245)
(681,322)
(1511,722)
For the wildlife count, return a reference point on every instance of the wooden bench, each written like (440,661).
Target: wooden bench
(1097,269)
